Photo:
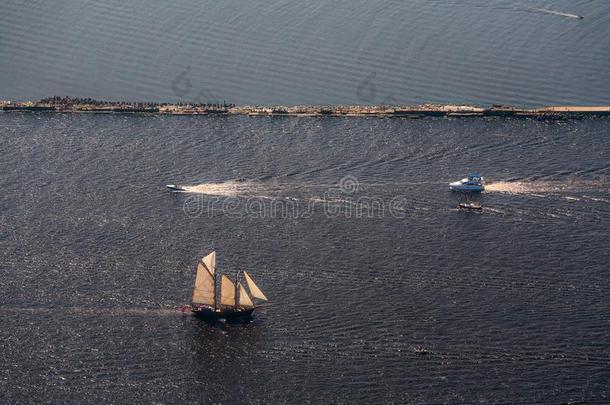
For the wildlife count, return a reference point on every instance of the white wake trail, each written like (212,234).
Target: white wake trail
(557,13)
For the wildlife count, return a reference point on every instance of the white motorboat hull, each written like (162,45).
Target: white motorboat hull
(458,186)
(173,187)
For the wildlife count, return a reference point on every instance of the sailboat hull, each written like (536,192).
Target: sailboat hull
(209,313)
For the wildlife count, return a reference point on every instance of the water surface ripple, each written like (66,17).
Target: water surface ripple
(428,304)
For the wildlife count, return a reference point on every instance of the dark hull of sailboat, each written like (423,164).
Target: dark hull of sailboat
(469,207)
(210,314)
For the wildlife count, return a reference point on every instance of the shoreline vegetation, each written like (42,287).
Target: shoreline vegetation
(87,105)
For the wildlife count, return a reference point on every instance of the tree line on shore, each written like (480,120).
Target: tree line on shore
(68,101)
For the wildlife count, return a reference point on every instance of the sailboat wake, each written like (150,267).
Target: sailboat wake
(88,311)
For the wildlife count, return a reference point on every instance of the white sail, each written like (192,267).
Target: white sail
(210,262)
(204,286)
(254,290)
(227,291)
(244,298)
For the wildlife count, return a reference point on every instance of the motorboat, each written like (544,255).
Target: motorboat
(473,183)
(173,187)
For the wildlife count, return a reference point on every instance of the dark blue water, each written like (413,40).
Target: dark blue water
(315,52)
(380,289)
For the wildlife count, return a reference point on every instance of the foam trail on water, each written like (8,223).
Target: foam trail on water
(227,189)
(557,13)
(273,191)
(538,188)
(520,187)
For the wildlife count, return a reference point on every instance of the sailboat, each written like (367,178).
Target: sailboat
(232,301)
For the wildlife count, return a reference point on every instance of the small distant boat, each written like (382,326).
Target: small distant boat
(473,183)
(233,300)
(173,187)
(470,206)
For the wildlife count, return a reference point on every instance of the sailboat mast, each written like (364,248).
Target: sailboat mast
(237,289)
(215,289)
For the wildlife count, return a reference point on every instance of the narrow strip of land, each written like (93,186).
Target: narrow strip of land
(87,105)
